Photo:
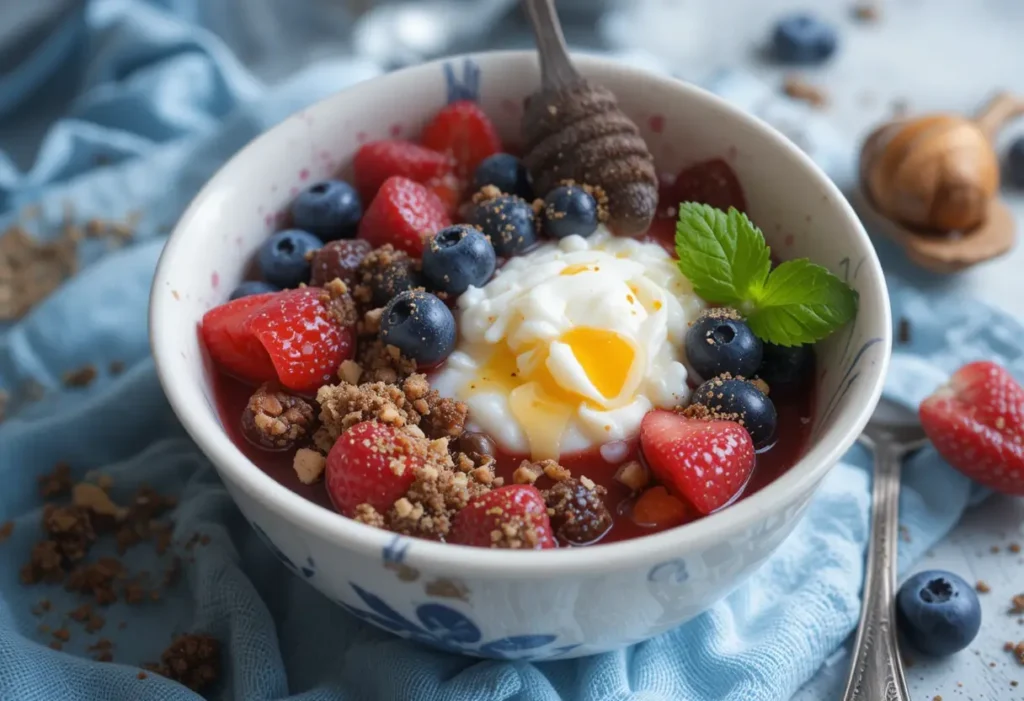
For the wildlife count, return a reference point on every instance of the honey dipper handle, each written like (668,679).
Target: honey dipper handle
(556,69)
(996,112)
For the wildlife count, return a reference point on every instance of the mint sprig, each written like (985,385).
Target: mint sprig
(726,259)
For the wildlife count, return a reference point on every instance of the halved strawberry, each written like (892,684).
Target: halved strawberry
(976,422)
(711,182)
(404,214)
(288,336)
(462,130)
(371,463)
(514,516)
(377,161)
(705,462)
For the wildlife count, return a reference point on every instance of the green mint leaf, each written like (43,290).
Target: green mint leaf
(723,254)
(801,303)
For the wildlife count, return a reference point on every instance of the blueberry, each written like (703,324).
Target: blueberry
(1015,163)
(457,257)
(569,210)
(720,341)
(786,367)
(508,221)
(420,325)
(738,400)
(938,612)
(282,257)
(252,287)
(330,209)
(803,39)
(505,172)
(388,273)
(339,259)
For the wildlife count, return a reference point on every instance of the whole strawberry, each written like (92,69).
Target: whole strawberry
(373,464)
(508,517)
(976,422)
(706,462)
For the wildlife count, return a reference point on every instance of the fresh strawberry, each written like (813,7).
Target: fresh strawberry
(403,214)
(462,130)
(288,336)
(516,513)
(709,182)
(449,190)
(705,462)
(371,463)
(976,422)
(377,161)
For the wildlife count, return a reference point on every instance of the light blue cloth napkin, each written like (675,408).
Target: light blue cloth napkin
(163,103)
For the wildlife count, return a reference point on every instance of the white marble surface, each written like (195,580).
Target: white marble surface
(930,55)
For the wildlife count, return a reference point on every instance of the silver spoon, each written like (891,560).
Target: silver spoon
(877,671)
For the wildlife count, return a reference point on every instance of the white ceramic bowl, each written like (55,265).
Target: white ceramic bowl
(497,603)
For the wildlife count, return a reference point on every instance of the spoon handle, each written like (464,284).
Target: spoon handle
(556,70)
(877,671)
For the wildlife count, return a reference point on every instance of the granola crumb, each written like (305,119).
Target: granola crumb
(56,645)
(994,550)
(350,372)
(308,465)
(80,377)
(141,675)
(799,89)
(62,634)
(982,587)
(1017,604)
(1018,652)
(527,473)
(45,564)
(867,12)
(93,498)
(6,529)
(116,367)
(555,471)
(30,270)
(56,483)
(903,332)
(277,420)
(192,660)
(70,528)
(1014,548)
(368,515)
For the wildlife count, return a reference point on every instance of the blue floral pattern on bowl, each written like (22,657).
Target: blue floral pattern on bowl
(444,627)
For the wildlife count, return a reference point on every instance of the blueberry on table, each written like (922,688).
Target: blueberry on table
(282,257)
(736,400)
(252,287)
(569,210)
(803,39)
(786,366)
(330,209)
(1015,163)
(719,341)
(457,257)
(938,612)
(505,172)
(508,221)
(420,325)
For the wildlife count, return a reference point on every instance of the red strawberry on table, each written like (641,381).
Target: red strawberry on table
(976,422)
(709,182)
(705,462)
(508,517)
(377,161)
(462,130)
(288,336)
(404,214)
(371,463)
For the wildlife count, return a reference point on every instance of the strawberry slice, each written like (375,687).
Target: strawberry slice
(371,463)
(377,161)
(462,130)
(706,462)
(404,214)
(287,336)
(976,422)
(711,182)
(517,513)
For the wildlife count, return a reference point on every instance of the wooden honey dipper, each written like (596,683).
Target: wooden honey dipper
(574,130)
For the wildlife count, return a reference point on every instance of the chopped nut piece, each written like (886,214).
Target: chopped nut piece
(633,475)
(82,377)
(57,483)
(527,473)
(555,471)
(350,372)
(1018,604)
(93,498)
(309,465)
(277,420)
(71,529)
(192,660)
(6,528)
(982,587)
(799,89)
(44,565)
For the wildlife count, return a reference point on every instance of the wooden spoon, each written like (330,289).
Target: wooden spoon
(574,130)
(931,184)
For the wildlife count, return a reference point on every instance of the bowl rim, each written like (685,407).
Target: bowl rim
(235,467)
